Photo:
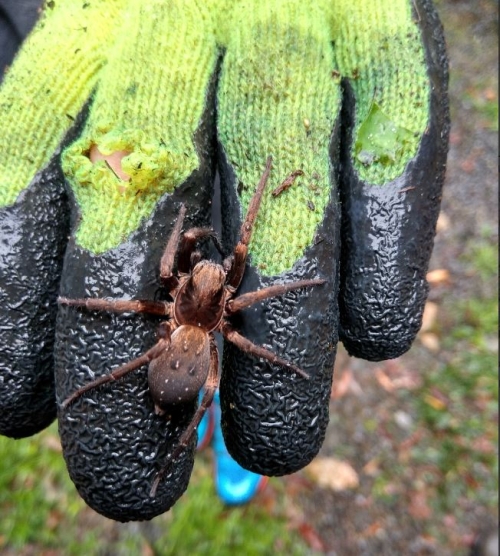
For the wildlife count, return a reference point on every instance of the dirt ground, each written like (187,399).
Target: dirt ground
(369,423)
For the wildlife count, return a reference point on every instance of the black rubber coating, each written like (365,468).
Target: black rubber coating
(388,231)
(33,235)
(274,421)
(113,443)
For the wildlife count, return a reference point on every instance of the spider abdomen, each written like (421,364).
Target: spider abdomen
(178,374)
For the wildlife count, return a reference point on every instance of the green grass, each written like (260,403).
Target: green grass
(458,401)
(40,510)
(37,505)
(442,474)
(201,524)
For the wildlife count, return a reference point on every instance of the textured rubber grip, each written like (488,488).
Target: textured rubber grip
(388,230)
(33,235)
(274,420)
(113,442)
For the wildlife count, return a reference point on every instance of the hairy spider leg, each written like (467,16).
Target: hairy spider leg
(244,344)
(210,387)
(120,372)
(188,244)
(239,257)
(161,308)
(247,299)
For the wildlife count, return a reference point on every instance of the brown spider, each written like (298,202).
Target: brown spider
(185,358)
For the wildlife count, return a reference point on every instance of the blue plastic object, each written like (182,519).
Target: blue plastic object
(234,484)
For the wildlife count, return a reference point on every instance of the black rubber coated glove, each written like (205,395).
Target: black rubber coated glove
(348,96)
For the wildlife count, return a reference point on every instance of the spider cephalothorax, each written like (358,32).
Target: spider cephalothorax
(185,358)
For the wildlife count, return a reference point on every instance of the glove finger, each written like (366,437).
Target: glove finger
(277,96)
(34,214)
(394,147)
(155,102)
(33,235)
(20,19)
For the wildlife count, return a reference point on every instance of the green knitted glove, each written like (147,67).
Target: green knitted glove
(145,98)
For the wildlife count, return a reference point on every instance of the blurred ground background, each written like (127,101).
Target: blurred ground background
(410,462)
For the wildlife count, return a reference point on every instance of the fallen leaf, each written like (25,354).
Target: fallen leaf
(341,385)
(147,549)
(384,380)
(450,521)
(412,440)
(443,222)
(372,530)
(408,382)
(296,483)
(469,164)
(430,341)
(267,498)
(490,94)
(455,139)
(483,445)
(393,366)
(429,316)
(333,474)
(53,520)
(312,538)
(418,507)
(372,467)
(53,443)
(438,277)
(434,402)
(471,481)
(346,384)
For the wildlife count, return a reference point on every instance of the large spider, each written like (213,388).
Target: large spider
(185,358)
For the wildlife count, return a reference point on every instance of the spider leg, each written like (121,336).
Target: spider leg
(208,396)
(161,308)
(237,270)
(188,245)
(168,257)
(133,365)
(258,351)
(248,299)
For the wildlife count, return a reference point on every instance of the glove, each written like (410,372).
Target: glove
(17,18)
(350,97)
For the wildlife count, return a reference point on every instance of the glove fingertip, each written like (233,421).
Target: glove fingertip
(274,420)
(33,235)
(388,230)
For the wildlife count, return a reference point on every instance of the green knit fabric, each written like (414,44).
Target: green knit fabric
(44,90)
(150,64)
(277,96)
(149,102)
(378,46)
